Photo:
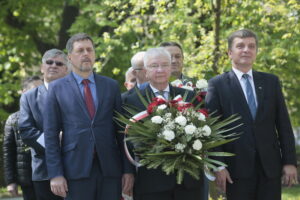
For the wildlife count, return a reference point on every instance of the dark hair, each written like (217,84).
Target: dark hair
(75,38)
(171,44)
(26,83)
(243,33)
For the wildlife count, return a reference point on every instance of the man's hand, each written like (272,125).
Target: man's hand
(289,175)
(12,189)
(59,186)
(221,177)
(127,184)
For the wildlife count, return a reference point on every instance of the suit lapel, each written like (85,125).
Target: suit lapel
(41,97)
(259,90)
(78,96)
(238,94)
(100,91)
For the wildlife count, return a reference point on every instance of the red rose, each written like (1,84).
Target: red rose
(203,111)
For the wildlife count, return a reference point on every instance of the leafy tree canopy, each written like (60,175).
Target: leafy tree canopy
(121,28)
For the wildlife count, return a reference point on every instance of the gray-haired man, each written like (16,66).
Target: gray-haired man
(54,66)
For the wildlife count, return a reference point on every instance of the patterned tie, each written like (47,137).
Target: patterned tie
(88,98)
(161,93)
(250,96)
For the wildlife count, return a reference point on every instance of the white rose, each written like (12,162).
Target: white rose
(156,120)
(168,135)
(197,145)
(201,117)
(202,83)
(179,147)
(190,129)
(168,115)
(181,120)
(162,107)
(170,125)
(206,131)
(177,83)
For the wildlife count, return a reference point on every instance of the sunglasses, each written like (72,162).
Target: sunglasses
(57,63)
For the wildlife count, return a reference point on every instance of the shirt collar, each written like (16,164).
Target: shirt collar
(167,89)
(46,84)
(79,79)
(239,73)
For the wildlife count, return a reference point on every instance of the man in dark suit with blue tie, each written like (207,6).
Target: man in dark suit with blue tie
(88,162)
(54,66)
(265,150)
(154,183)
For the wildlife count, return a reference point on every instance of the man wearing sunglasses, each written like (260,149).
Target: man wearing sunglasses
(54,66)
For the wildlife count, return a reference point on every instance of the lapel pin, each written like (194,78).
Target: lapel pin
(260,87)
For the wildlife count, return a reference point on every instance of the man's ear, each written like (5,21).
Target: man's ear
(42,69)
(134,72)
(229,53)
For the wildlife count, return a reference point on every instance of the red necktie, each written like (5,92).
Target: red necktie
(88,98)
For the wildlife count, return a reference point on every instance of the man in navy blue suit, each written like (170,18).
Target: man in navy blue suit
(54,66)
(154,183)
(265,151)
(87,161)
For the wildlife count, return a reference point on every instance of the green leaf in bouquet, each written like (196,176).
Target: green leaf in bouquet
(211,166)
(145,103)
(149,96)
(213,144)
(185,95)
(221,124)
(194,172)
(219,154)
(215,162)
(163,153)
(198,106)
(179,177)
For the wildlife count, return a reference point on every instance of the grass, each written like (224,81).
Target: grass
(288,193)
(292,193)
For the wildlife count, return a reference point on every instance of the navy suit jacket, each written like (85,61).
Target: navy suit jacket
(155,180)
(31,127)
(269,136)
(66,111)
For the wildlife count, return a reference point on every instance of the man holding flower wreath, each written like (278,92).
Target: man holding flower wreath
(154,183)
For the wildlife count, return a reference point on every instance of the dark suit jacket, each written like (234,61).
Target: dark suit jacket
(31,127)
(269,136)
(155,180)
(66,110)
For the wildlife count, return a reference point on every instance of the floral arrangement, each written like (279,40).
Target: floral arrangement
(176,135)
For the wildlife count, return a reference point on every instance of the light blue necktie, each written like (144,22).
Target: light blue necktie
(250,96)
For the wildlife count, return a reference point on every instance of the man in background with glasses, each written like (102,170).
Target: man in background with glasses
(54,66)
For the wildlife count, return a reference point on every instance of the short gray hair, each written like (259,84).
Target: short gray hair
(55,53)
(139,56)
(77,37)
(129,70)
(159,51)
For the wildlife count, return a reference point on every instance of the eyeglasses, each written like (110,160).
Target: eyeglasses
(57,63)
